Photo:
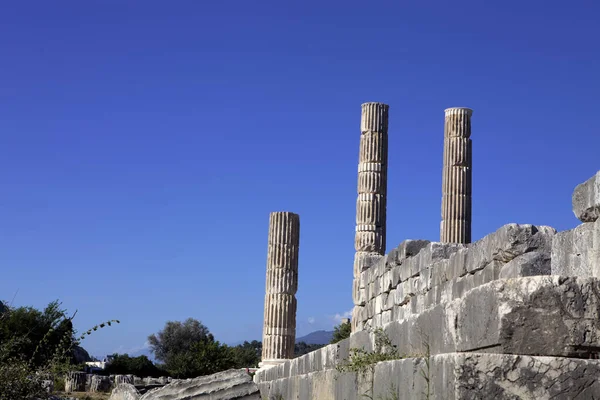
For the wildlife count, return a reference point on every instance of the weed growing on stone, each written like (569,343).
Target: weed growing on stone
(363,362)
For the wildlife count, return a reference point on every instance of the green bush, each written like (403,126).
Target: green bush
(123,364)
(35,346)
(341,332)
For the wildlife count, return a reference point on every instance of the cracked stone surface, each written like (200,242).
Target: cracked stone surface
(586,199)
(576,252)
(419,275)
(231,384)
(124,391)
(452,376)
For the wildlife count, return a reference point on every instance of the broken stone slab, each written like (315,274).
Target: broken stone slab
(231,384)
(124,391)
(586,199)
(576,252)
(507,243)
(528,264)
(364,261)
(123,379)
(428,255)
(75,382)
(100,384)
(406,249)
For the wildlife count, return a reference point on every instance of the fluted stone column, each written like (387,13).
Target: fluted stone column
(456,179)
(279,331)
(370,237)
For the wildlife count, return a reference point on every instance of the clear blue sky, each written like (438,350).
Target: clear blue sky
(143,144)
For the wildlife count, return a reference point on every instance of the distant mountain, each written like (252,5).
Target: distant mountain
(143,352)
(317,337)
(233,344)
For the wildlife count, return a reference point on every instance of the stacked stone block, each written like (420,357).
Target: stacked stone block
(576,252)
(481,321)
(279,332)
(75,381)
(456,177)
(370,237)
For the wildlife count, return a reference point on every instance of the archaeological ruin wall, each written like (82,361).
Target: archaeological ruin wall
(513,315)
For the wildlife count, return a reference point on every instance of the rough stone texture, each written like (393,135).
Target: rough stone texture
(518,319)
(456,177)
(452,376)
(370,236)
(100,384)
(528,264)
(419,275)
(123,379)
(576,252)
(75,382)
(279,332)
(88,381)
(458,376)
(124,391)
(586,199)
(232,384)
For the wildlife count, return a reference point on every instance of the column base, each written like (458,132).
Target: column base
(264,364)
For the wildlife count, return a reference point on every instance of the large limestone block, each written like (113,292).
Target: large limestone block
(124,391)
(586,199)
(101,384)
(404,378)
(75,382)
(479,376)
(406,249)
(507,243)
(576,252)
(123,379)
(542,315)
(232,384)
(528,264)
(346,387)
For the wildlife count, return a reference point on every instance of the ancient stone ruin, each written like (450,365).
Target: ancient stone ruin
(514,315)
(279,332)
(227,385)
(456,178)
(92,383)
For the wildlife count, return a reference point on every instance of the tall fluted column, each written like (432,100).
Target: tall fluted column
(456,179)
(279,331)
(369,241)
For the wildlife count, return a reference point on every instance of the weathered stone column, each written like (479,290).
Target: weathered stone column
(279,331)
(456,178)
(369,240)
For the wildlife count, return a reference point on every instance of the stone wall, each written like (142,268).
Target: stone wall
(418,275)
(513,315)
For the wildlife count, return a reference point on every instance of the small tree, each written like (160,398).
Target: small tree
(247,354)
(176,338)
(189,350)
(123,364)
(341,332)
